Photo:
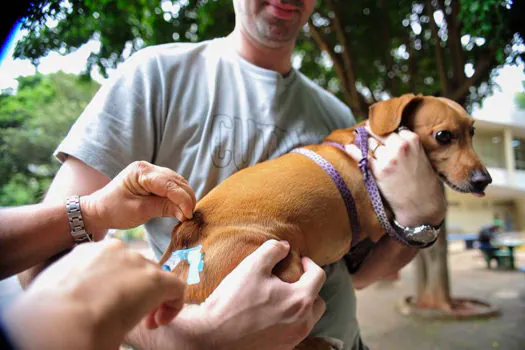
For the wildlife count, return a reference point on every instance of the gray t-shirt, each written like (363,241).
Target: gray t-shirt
(205,112)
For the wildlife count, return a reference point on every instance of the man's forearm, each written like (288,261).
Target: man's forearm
(26,236)
(388,256)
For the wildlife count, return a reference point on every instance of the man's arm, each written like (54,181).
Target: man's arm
(73,178)
(25,236)
(387,256)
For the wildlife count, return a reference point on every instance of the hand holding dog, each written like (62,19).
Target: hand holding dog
(268,311)
(92,297)
(138,193)
(405,177)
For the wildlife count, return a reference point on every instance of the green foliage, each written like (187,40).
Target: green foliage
(120,26)
(32,123)
(490,20)
(388,56)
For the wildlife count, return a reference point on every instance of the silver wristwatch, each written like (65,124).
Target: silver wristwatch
(422,235)
(76,223)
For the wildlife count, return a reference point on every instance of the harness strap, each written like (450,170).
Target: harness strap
(370,183)
(373,191)
(341,186)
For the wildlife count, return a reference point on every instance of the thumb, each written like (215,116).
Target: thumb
(267,255)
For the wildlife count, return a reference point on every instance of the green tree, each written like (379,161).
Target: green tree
(33,120)
(362,51)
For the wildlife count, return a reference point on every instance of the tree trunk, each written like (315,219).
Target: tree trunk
(432,280)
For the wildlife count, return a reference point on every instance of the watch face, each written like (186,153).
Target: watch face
(424,236)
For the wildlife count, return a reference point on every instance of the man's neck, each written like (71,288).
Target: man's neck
(276,59)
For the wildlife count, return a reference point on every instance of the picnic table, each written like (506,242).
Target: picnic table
(509,244)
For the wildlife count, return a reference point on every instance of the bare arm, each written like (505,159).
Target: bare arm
(388,256)
(25,236)
(73,178)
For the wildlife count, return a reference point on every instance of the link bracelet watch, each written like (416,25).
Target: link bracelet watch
(76,223)
(420,236)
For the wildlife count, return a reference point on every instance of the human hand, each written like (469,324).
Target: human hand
(92,297)
(255,308)
(138,193)
(405,177)
(252,308)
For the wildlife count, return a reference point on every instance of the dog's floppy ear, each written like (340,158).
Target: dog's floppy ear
(385,116)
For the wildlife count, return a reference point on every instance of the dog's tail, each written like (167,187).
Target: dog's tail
(185,235)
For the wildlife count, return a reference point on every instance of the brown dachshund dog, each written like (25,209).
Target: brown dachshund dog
(292,198)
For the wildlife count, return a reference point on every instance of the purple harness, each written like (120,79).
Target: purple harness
(370,183)
(341,186)
(371,186)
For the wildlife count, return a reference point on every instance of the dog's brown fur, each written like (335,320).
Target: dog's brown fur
(291,198)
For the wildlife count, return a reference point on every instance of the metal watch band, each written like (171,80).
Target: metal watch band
(76,223)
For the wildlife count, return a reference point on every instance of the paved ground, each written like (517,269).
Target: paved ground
(383,327)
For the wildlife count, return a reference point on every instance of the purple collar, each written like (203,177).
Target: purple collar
(341,186)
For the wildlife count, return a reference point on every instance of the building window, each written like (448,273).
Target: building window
(519,153)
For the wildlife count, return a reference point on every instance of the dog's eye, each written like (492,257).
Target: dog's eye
(444,137)
(472,131)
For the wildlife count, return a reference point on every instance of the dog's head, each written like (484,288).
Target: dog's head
(445,130)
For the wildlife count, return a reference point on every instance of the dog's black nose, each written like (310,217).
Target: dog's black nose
(480,179)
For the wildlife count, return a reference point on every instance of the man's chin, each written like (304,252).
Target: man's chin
(277,35)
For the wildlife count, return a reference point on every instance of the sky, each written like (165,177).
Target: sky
(509,78)
(73,63)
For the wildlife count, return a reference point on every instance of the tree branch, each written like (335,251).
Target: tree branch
(412,64)
(358,101)
(454,42)
(484,65)
(387,38)
(373,97)
(338,66)
(438,50)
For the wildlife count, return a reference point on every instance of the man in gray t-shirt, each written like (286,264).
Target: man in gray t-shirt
(209,109)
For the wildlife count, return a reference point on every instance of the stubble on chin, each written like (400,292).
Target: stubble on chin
(274,32)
